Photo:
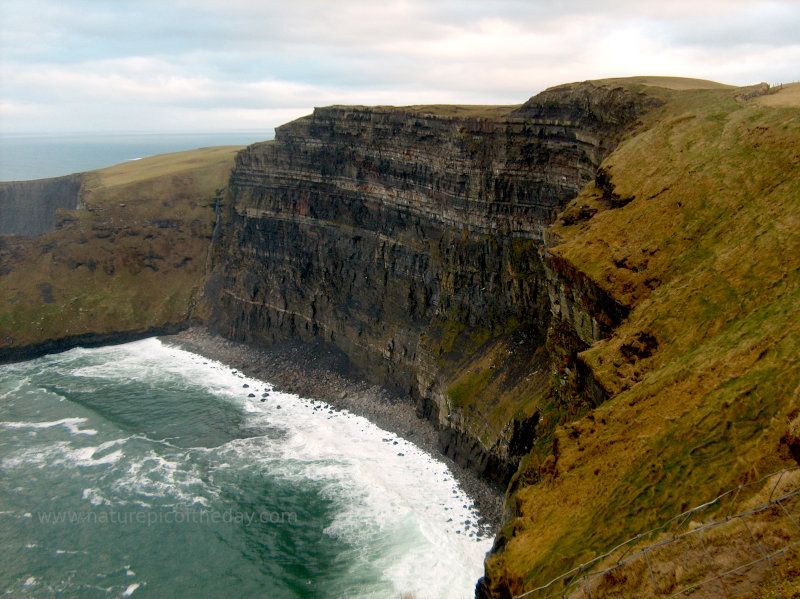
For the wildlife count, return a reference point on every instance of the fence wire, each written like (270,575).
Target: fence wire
(582,579)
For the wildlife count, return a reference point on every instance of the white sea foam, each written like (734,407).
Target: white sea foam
(130,590)
(406,505)
(401,515)
(13,388)
(71,424)
(393,498)
(155,476)
(95,497)
(63,453)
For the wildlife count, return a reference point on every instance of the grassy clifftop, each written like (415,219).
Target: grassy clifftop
(674,83)
(692,225)
(689,235)
(128,259)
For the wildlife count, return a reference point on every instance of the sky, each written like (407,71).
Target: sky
(141,66)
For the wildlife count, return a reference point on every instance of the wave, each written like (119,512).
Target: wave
(71,424)
(391,496)
(63,453)
(402,522)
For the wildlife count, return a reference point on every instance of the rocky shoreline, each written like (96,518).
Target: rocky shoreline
(322,372)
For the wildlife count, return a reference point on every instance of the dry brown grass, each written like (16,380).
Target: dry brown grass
(707,256)
(449,110)
(714,554)
(466,110)
(201,163)
(782,96)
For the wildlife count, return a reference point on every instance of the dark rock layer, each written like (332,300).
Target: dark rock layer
(380,230)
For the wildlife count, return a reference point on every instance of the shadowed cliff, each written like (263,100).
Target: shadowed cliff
(409,238)
(419,242)
(29,207)
(593,295)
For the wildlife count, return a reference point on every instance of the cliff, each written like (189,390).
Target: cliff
(527,278)
(592,295)
(125,256)
(678,265)
(30,207)
(410,239)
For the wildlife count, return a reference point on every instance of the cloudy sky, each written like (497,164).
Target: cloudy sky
(206,66)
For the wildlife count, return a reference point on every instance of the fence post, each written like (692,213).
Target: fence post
(630,543)
(733,502)
(588,587)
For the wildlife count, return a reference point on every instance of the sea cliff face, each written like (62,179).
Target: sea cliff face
(593,296)
(546,283)
(410,238)
(29,207)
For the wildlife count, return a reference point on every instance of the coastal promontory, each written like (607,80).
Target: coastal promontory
(592,296)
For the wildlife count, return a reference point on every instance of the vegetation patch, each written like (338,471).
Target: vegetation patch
(704,372)
(132,257)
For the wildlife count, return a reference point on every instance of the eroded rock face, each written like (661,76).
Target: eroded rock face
(381,229)
(29,207)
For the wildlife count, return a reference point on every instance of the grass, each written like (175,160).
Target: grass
(678,558)
(495,370)
(131,258)
(707,258)
(453,110)
(468,387)
(675,83)
(466,111)
(787,95)
(163,186)
(203,164)
(493,377)
(474,111)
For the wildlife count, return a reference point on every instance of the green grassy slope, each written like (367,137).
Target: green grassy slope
(130,258)
(703,246)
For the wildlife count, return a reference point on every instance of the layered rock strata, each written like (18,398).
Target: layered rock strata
(410,239)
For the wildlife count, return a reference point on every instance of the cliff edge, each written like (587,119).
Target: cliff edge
(124,257)
(593,296)
(410,239)
(686,234)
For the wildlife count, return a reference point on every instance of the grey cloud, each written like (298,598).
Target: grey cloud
(216,58)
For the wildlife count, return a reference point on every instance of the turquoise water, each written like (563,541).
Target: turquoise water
(143,470)
(24,157)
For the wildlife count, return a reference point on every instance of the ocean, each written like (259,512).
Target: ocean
(145,470)
(24,157)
